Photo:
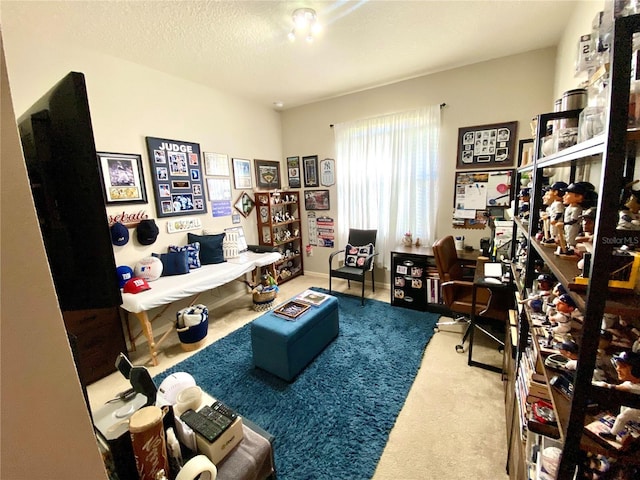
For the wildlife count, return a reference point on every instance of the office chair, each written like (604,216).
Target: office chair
(358,259)
(457,293)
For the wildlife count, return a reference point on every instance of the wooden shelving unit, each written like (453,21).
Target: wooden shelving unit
(280,225)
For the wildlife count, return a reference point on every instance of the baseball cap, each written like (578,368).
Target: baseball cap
(147,231)
(562,186)
(569,346)
(566,298)
(136,285)
(576,188)
(119,234)
(630,358)
(589,213)
(124,273)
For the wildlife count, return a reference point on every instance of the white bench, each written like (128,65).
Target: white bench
(166,290)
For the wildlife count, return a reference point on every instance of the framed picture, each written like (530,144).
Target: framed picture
(293,172)
(310,165)
(122,177)
(216,164)
(267,174)
(525,152)
(242,174)
(316,200)
(219,188)
(292,309)
(177,178)
(327,172)
(244,204)
(487,146)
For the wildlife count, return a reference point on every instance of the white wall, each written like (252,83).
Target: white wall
(502,90)
(46,430)
(129,102)
(579,25)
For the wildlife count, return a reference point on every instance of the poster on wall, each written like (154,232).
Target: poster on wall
(177,177)
(487,146)
(321,230)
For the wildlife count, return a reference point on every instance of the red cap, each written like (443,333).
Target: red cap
(136,285)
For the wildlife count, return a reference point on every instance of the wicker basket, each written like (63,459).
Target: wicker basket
(263,301)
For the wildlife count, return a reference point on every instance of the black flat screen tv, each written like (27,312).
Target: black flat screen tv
(60,154)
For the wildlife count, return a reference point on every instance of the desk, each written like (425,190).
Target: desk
(415,282)
(502,295)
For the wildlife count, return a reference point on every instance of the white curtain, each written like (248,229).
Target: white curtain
(387,177)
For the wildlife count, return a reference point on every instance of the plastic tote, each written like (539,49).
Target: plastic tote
(192,325)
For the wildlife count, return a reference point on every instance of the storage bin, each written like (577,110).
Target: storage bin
(192,325)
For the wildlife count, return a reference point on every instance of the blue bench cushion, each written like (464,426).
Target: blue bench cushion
(285,347)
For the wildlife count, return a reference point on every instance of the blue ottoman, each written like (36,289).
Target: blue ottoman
(285,347)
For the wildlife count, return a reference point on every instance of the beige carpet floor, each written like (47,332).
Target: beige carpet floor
(452,425)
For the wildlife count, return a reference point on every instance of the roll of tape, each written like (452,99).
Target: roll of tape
(198,465)
(190,397)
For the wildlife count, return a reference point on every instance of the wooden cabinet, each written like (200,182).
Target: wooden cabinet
(608,162)
(98,336)
(415,282)
(279,225)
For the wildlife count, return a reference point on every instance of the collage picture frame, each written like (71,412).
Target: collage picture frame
(177,177)
(487,146)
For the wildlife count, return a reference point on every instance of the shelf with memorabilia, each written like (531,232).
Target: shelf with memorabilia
(579,325)
(280,225)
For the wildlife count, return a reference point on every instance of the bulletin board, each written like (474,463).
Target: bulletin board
(479,192)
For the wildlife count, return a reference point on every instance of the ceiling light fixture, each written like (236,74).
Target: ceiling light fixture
(305,22)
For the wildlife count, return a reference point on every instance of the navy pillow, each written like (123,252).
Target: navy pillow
(193,252)
(174,263)
(210,247)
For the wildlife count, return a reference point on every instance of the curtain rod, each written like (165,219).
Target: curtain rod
(442,105)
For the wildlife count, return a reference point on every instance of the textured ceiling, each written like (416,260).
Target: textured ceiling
(242,47)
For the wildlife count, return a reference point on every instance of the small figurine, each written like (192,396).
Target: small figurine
(545,232)
(629,216)
(572,198)
(545,282)
(588,219)
(562,318)
(407,240)
(555,210)
(523,208)
(628,369)
(584,240)
(602,358)
(569,349)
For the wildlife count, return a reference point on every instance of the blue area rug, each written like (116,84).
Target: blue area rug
(334,420)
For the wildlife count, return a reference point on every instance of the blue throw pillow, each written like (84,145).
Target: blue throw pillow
(210,247)
(174,263)
(355,256)
(193,253)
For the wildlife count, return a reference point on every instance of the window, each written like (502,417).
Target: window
(388,176)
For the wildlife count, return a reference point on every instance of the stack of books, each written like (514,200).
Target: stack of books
(532,387)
